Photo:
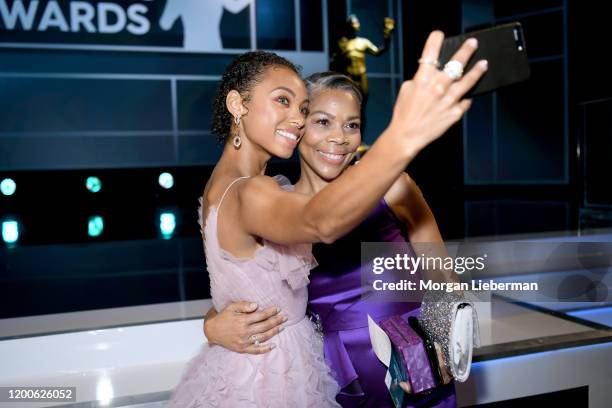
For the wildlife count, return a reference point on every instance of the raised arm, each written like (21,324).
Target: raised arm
(284,217)
(389,27)
(425,108)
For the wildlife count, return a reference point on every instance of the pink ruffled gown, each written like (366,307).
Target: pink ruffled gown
(294,374)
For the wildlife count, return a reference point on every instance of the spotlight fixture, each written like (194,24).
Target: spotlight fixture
(166,180)
(93,184)
(10,231)
(167,224)
(95,226)
(8,186)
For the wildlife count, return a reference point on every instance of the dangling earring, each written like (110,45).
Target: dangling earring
(236,141)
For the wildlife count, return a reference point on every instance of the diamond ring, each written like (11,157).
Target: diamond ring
(454,69)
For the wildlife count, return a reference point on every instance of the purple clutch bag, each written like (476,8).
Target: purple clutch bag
(409,349)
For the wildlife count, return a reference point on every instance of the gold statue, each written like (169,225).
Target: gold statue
(353,51)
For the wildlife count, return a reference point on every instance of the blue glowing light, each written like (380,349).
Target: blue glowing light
(95,226)
(8,186)
(167,224)
(10,231)
(166,180)
(93,184)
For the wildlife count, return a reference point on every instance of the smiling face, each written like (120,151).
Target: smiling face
(332,134)
(276,106)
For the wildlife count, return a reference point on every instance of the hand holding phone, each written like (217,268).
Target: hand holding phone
(503,47)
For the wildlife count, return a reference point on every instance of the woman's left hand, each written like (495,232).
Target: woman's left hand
(446,375)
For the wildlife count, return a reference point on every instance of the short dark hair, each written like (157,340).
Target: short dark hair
(240,75)
(332,80)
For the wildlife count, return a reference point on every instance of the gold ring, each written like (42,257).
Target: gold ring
(429,61)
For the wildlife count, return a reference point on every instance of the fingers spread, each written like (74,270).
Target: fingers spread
(460,88)
(465,52)
(431,53)
(463,55)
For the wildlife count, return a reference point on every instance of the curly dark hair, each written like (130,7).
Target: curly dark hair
(240,75)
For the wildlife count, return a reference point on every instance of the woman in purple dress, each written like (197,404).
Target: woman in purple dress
(335,296)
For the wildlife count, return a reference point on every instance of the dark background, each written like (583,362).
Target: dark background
(532,157)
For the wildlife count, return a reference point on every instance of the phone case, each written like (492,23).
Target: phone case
(411,355)
(503,47)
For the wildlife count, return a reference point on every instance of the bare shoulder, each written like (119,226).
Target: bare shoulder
(259,190)
(257,185)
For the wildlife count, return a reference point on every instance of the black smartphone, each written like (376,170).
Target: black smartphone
(503,47)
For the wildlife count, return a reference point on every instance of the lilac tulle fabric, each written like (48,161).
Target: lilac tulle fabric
(335,295)
(294,374)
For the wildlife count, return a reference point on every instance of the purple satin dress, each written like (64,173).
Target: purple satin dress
(335,296)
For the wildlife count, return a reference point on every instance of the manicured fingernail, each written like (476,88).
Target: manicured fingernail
(285,318)
(484,64)
(278,310)
(253,305)
(280,329)
(472,42)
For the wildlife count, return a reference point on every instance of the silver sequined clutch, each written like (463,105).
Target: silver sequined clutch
(450,320)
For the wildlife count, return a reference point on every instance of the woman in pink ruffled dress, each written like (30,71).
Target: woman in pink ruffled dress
(257,236)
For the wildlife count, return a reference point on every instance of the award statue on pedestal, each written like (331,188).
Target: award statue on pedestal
(350,59)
